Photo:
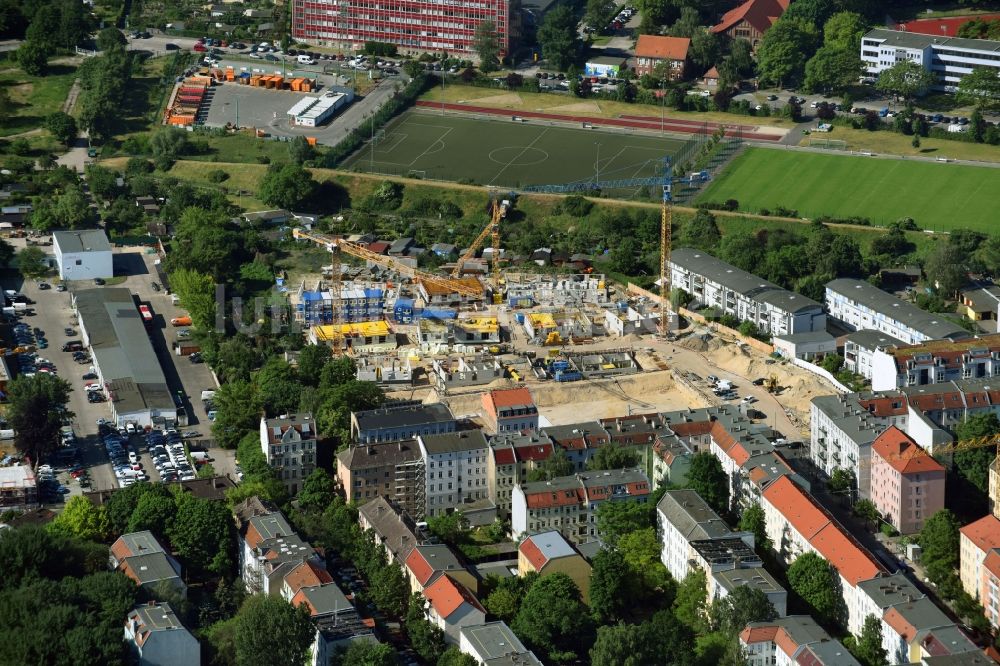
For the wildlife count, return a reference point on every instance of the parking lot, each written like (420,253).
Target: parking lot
(53,314)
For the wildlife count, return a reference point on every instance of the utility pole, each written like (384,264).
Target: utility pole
(597,166)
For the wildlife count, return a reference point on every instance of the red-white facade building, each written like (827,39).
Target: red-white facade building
(414,26)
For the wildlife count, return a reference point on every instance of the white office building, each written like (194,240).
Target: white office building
(82,255)
(949,58)
(860,305)
(732,291)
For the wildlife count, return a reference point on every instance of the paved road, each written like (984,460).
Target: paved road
(76,157)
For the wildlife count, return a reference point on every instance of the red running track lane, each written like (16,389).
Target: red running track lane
(684,126)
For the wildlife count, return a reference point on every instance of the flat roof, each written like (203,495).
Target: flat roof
(85,240)
(450,442)
(402,417)
(495,640)
(122,351)
(913,40)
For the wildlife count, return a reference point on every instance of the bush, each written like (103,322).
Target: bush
(577,206)
(218,176)
(889,530)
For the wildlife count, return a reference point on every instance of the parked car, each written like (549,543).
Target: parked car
(100,282)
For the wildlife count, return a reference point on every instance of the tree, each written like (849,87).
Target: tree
(364,653)
(311,360)
(201,534)
(504,601)
(31,261)
(553,620)
(300,151)
(661,640)
(784,50)
(455,657)
(63,127)
(946,268)
(980,88)
(196,292)
(167,144)
(740,607)
(813,12)
(6,252)
(867,511)
(389,590)
(973,464)
(842,481)
(33,58)
(705,49)
(843,30)
(83,519)
(558,37)
(702,232)
(426,638)
(317,491)
(691,603)
(271,632)
(833,68)
(743,250)
(610,587)
(641,550)
(484,43)
(707,478)
(286,186)
(616,519)
(813,579)
(832,363)
(237,413)
(939,543)
(154,512)
(905,79)
(613,457)
(624,256)
(752,520)
(277,386)
(36,407)
(868,645)
(448,526)
(109,37)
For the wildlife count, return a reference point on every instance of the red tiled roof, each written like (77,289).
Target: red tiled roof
(664,48)
(532,553)
(984,533)
(518,397)
(992,563)
(751,635)
(903,454)
(307,574)
(760,14)
(379,247)
(503,456)
(713,73)
(785,642)
(793,503)
(419,566)
(690,429)
(850,559)
(545,499)
(900,624)
(941,27)
(446,595)
(883,406)
(534,452)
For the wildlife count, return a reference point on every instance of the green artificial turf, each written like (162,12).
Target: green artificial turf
(939,196)
(505,153)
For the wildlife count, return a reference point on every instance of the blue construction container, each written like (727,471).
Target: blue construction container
(519,317)
(403,311)
(439,313)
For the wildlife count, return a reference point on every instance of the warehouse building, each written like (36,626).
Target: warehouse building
(126,364)
(82,255)
(314,111)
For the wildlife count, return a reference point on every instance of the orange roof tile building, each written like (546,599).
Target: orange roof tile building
(652,50)
(452,606)
(750,20)
(510,410)
(907,484)
(976,541)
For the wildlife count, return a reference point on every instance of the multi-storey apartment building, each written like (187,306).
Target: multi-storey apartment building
(907,485)
(456,468)
(743,295)
(401,421)
(394,470)
(568,504)
(413,26)
(860,348)
(510,410)
(860,305)
(976,541)
(289,446)
(935,362)
(511,458)
(314,307)
(788,641)
(948,58)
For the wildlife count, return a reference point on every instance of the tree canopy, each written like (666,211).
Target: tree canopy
(36,407)
(905,79)
(784,50)
(553,620)
(287,186)
(558,37)
(271,632)
(813,579)
(707,478)
(484,42)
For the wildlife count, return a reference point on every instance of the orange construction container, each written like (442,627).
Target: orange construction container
(229,75)
(181,120)
(311,140)
(294,84)
(255,80)
(305,86)
(279,82)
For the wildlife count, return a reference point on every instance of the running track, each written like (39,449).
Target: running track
(750,132)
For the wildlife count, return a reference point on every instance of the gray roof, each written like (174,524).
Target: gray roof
(451,442)
(402,417)
(327,599)
(885,591)
(912,40)
(152,567)
(141,543)
(757,578)
(392,524)
(157,616)
(934,326)
(871,339)
(804,632)
(832,653)
(378,455)
(440,557)
(495,640)
(692,516)
(740,281)
(122,350)
(85,240)
(850,417)
(983,298)
(271,526)
(922,613)
(961,659)
(552,545)
(587,480)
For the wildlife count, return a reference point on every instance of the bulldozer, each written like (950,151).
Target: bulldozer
(771,384)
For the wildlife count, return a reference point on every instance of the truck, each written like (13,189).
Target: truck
(180,321)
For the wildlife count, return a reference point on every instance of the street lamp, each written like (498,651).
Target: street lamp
(597,165)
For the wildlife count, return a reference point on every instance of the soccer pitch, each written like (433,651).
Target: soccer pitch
(507,153)
(938,196)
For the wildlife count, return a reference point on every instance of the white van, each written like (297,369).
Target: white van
(305,60)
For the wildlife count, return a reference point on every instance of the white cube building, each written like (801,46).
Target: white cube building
(82,255)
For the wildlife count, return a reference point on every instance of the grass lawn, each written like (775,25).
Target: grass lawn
(558,103)
(33,98)
(938,196)
(503,153)
(893,143)
(241,147)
